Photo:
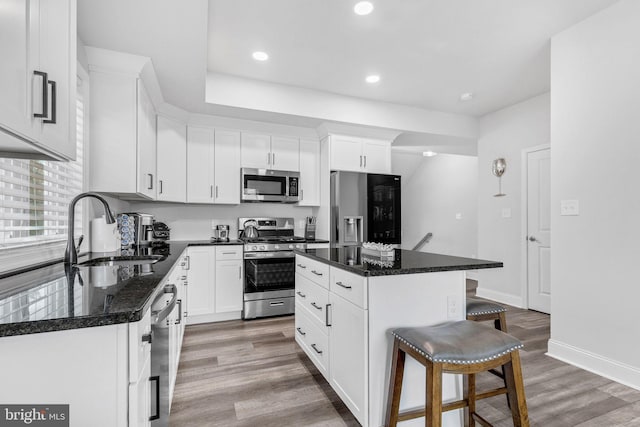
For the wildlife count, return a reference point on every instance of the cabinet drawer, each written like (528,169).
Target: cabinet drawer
(315,300)
(139,350)
(315,271)
(228,252)
(350,286)
(313,340)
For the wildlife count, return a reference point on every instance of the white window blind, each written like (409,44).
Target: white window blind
(34,198)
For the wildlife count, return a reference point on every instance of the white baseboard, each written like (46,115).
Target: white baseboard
(218,317)
(509,299)
(605,367)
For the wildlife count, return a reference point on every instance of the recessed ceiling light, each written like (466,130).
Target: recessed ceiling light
(363,8)
(260,56)
(429,153)
(373,78)
(467,96)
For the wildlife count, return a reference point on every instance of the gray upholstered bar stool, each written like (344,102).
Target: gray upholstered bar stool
(479,310)
(462,347)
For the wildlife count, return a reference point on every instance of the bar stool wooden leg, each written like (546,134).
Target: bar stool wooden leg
(470,397)
(501,322)
(515,387)
(395,386)
(433,395)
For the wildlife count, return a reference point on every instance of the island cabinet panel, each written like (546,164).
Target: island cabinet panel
(348,356)
(362,311)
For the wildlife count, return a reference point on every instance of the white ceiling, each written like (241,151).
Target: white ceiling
(427,52)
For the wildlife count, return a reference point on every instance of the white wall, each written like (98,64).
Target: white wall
(434,190)
(595,133)
(505,133)
(194,222)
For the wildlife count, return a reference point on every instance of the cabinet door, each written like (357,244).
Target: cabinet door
(348,350)
(377,156)
(346,154)
(201,280)
(140,399)
(57,57)
(200,166)
(172,160)
(228,295)
(285,153)
(16,77)
(309,172)
(227,167)
(146,143)
(256,151)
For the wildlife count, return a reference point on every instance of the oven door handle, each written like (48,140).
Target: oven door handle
(269,255)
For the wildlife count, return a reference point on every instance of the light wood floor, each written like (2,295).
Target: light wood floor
(253,374)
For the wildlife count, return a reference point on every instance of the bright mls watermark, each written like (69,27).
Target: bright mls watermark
(34,415)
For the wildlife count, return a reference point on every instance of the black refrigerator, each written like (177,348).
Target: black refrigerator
(365,208)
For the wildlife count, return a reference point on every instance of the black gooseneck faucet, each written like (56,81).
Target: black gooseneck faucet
(71,255)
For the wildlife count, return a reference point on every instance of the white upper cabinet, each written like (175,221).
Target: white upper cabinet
(285,154)
(356,154)
(172,160)
(38,79)
(309,172)
(213,165)
(122,152)
(227,167)
(266,152)
(200,170)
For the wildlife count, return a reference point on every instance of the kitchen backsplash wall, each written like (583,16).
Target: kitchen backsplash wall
(194,222)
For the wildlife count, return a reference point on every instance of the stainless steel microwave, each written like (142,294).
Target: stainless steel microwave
(264,185)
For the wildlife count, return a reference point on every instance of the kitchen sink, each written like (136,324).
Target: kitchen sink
(120,260)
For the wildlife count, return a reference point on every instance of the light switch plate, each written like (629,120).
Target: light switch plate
(506,212)
(569,207)
(458,215)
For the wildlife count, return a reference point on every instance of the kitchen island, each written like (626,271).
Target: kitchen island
(347,303)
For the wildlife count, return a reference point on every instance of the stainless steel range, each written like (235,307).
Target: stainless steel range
(269,265)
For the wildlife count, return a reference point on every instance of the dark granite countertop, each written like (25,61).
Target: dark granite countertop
(404,262)
(49,299)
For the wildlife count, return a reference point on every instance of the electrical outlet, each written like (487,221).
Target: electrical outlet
(459,215)
(569,207)
(506,212)
(453,307)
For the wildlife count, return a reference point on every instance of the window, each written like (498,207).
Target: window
(34,201)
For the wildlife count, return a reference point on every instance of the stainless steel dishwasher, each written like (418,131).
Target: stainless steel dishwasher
(161,308)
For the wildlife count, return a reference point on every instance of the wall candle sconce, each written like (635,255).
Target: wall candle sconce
(498,169)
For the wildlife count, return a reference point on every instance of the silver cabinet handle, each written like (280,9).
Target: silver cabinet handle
(45,95)
(185,263)
(273,159)
(313,346)
(302,266)
(160,186)
(343,285)
(316,273)
(316,306)
(268,158)
(301,194)
(179,320)
(211,191)
(360,161)
(277,303)
(150,187)
(301,294)
(365,161)
(239,272)
(327,321)
(148,338)
(301,332)
(52,120)
(216,191)
(183,277)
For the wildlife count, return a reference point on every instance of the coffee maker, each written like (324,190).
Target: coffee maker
(136,229)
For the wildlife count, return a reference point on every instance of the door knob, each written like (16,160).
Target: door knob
(533,239)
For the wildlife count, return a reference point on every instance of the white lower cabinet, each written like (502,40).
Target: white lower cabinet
(333,330)
(348,350)
(215,280)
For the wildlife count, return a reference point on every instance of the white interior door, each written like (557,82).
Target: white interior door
(539,230)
